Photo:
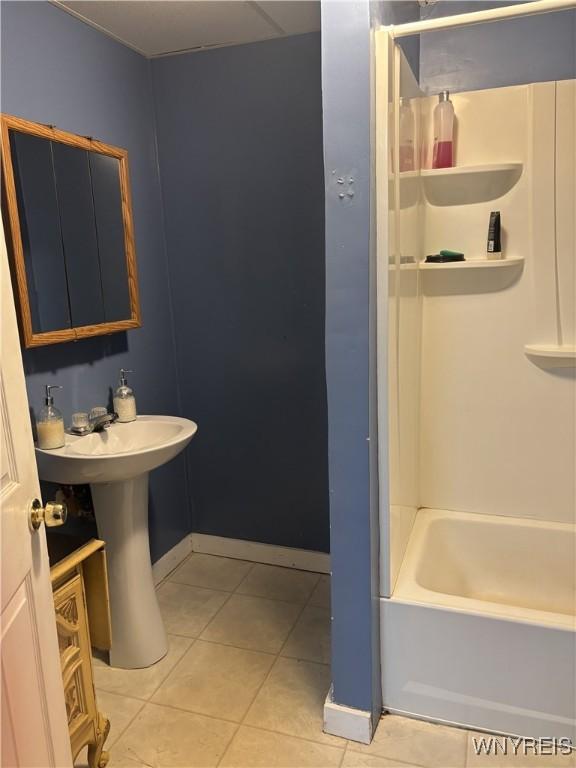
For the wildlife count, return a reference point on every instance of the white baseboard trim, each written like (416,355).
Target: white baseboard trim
(239,549)
(256,552)
(347,722)
(171,559)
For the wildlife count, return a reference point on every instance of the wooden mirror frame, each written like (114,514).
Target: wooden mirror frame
(16,249)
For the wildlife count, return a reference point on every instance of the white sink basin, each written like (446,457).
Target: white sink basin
(116,463)
(118,453)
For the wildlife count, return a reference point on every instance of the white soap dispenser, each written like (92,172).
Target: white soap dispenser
(50,423)
(124,400)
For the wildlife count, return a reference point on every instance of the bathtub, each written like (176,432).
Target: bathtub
(480,630)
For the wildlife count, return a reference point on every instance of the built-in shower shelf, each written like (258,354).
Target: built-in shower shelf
(461,170)
(412,265)
(469,170)
(553,355)
(474,264)
(469,184)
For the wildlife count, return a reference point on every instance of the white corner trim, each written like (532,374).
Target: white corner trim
(347,722)
(171,559)
(256,552)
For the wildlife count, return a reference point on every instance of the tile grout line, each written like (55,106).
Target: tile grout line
(306,605)
(193,640)
(222,645)
(229,593)
(396,761)
(257,597)
(277,656)
(235,592)
(128,724)
(199,637)
(243,579)
(307,740)
(205,627)
(163,680)
(176,708)
(249,707)
(351,747)
(318,580)
(200,586)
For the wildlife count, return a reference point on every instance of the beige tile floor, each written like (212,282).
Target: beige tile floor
(245,679)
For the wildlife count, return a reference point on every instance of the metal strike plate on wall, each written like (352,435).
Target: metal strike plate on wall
(343,184)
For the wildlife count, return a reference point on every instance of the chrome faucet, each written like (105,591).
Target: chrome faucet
(97,420)
(101,421)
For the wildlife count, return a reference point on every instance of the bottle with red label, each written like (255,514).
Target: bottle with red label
(443,150)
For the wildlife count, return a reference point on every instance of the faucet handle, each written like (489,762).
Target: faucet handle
(98,410)
(80,421)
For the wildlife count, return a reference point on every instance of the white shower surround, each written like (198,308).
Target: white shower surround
(450,650)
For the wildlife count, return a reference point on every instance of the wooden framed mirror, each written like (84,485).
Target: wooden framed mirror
(68,214)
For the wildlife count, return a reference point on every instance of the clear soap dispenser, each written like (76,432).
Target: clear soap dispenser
(50,423)
(406,136)
(124,400)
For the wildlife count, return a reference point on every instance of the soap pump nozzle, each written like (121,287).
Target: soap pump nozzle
(123,379)
(49,398)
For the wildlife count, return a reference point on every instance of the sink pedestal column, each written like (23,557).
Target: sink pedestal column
(138,635)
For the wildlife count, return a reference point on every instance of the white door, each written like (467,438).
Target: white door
(33,713)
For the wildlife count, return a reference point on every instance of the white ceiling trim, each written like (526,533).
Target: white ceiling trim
(210,47)
(93,24)
(261,12)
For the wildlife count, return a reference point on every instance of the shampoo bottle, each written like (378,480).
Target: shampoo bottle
(50,424)
(443,150)
(124,400)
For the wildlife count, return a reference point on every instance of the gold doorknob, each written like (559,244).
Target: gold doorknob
(52,514)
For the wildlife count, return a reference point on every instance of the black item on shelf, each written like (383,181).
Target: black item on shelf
(442,258)
(494,245)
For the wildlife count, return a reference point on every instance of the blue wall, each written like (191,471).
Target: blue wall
(536,49)
(240,147)
(58,70)
(246,239)
(396,12)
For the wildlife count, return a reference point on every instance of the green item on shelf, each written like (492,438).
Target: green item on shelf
(452,254)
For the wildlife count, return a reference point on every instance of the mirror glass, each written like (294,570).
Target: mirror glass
(40,228)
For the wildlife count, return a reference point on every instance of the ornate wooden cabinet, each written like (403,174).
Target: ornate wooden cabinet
(80,587)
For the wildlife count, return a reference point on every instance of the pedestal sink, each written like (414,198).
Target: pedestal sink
(116,463)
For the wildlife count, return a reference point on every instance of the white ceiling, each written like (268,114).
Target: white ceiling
(160,27)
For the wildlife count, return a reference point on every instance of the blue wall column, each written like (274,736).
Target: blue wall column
(352,435)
